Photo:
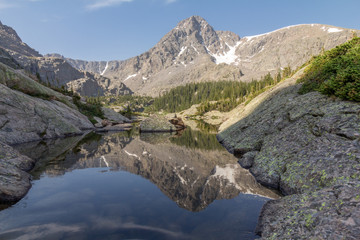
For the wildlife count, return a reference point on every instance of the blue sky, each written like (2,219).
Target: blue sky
(120,29)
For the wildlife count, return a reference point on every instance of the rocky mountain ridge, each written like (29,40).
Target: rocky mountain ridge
(54,70)
(11,41)
(193,51)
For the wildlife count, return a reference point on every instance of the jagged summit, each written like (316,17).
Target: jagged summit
(196,36)
(192,22)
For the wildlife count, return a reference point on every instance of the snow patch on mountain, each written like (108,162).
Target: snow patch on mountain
(182,50)
(130,76)
(106,67)
(249,38)
(331,30)
(229,57)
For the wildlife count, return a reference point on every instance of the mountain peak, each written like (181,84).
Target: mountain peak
(193,23)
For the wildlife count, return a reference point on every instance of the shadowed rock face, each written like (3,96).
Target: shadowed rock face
(308,146)
(14,181)
(24,118)
(193,178)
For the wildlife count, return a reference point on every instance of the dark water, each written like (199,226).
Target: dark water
(153,186)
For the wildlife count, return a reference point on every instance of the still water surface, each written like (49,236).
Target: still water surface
(121,186)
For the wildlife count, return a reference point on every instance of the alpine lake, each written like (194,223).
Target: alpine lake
(135,186)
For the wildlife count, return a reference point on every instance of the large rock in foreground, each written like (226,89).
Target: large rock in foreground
(14,180)
(308,145)
(331,213)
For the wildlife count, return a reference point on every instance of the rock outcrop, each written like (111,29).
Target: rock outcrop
(331,213)
(115,116)
(14,180)
(30,111)
(40,114)
(24,118)
(307,145)
(156,123)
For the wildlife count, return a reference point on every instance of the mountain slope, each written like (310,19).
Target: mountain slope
(193,51)
(10,41)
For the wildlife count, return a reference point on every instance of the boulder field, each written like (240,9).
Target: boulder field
(308,147)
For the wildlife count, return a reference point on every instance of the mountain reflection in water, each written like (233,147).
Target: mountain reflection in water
(193,170)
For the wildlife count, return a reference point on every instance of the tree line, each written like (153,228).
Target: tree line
(221,95)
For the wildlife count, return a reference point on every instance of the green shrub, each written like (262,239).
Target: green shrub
(336,72)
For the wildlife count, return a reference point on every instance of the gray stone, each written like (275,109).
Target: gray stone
(14,181)
(111,115)
(97,119)
(331,213)
(30,119)
(306,146)
(156,123)
(247,160)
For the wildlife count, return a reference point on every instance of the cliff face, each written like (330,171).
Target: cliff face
(306,145)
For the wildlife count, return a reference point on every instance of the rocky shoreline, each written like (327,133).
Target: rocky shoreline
(308,147)
(14,179)
(24,119)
